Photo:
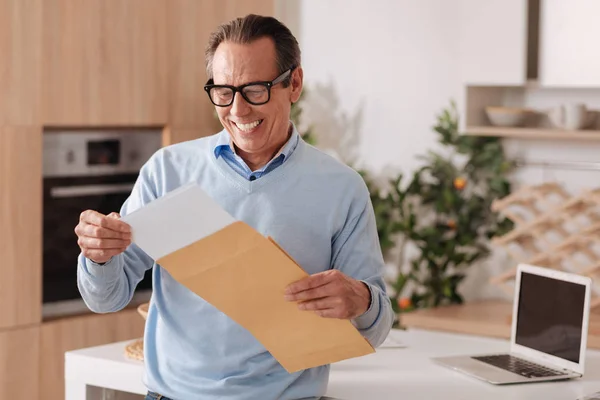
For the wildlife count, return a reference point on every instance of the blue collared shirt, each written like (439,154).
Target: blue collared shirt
(223,149)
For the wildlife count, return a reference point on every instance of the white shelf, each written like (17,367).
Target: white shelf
(532,133)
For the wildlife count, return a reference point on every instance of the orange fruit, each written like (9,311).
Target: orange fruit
(404,303)
(460,183)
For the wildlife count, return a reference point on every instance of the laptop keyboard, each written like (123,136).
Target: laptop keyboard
(519,366)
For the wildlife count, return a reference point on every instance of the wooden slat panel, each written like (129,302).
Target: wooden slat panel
(19,359)
(60,336)
(21,222)
(189,24)
(104,62)
(20,61)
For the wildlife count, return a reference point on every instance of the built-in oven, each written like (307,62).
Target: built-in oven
(84,170)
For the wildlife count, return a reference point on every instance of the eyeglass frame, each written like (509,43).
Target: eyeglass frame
(268,84)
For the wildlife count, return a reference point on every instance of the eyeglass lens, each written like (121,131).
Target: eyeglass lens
(254,94)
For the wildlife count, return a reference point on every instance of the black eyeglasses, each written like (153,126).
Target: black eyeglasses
(255,93)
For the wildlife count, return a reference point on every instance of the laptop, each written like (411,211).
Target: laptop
(549,331)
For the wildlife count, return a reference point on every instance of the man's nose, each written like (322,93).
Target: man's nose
(240,106)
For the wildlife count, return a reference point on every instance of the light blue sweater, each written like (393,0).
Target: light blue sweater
(316,208)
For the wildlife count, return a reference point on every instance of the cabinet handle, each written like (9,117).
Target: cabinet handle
(90,190)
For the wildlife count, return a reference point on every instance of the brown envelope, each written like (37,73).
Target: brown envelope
(244,274)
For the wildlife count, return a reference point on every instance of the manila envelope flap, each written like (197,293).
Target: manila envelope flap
(210,251)
(244,274)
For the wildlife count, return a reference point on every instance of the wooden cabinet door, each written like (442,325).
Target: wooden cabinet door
(492,41)
(21,222)
(19,360)
(20,61)
(104,62)
(60,336)
(178,135)
(570,38)
(240,8)
(189,24)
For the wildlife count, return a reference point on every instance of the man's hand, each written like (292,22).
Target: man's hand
(101,237)
(330,294)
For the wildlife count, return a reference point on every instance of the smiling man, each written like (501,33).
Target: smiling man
(261,171)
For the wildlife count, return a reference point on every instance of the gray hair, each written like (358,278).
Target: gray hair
(249,28)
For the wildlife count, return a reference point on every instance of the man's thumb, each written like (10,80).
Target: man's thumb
(114,215)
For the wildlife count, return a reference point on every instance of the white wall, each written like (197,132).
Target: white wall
(377,72)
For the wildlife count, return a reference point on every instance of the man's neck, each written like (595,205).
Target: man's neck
(257,161)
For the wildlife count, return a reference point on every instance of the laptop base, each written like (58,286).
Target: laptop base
(494,375)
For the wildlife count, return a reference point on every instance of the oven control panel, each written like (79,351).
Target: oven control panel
(98,152)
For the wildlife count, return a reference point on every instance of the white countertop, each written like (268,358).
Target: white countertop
(391,373)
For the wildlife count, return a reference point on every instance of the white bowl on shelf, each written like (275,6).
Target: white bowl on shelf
(506,116)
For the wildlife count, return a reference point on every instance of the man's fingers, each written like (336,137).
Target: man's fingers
(99,232)
(113,222)
(328,307)
(97,243)
(98,219)
(310,294)
(329,313)
(102,237)
(324,303)
(91,217)
(310,282)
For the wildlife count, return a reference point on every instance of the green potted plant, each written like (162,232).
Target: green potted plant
(443,213)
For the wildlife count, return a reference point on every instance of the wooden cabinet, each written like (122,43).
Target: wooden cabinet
(493,41)
(20,61)
(189,23)
(177,135)
(110,62)
(240,8)
(104,62)
(63,335)
(21,222)
(570,36)
(19,360)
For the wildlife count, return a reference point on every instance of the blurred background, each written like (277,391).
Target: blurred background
(474,124)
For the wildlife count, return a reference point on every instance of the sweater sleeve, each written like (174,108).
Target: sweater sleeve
(357,253)
(109,287)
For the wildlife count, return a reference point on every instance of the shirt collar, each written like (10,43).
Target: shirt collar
(225,144)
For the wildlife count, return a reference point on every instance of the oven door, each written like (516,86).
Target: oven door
(64,201)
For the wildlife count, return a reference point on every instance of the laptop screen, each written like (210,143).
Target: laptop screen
(550,316)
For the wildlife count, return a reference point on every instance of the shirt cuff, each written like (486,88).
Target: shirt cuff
(369,317)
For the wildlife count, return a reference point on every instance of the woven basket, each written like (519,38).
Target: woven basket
(135,349)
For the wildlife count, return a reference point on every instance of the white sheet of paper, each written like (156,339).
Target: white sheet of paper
(176,220)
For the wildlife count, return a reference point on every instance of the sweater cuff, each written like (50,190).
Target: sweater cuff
(107,271)
(369,317)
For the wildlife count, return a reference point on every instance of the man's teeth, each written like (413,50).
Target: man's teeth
(247,127)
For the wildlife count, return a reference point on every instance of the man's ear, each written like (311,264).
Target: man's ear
(296,84)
